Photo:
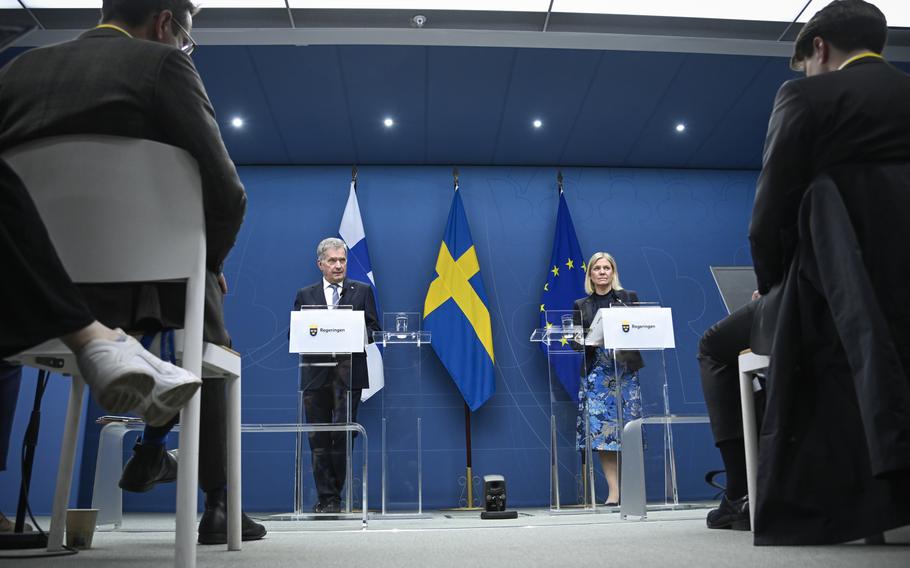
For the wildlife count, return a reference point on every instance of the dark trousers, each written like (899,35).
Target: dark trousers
(327,404)
(38,301)
(212,435)
(718,357)
(10,378)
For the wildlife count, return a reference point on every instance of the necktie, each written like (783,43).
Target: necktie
(335,296)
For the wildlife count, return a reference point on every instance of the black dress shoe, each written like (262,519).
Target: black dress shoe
(149,466)
(730,514)
(331,506)
(213,526)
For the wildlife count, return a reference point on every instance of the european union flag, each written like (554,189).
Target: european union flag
(565,284)
(455,311)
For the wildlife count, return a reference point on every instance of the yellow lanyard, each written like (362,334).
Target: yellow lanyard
(858,57)
(113,27)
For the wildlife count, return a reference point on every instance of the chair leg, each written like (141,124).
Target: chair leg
(188,460)
(750,437)
(65,469)
(233,464)
(187,479)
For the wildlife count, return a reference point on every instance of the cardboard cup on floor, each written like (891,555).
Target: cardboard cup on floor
(80,527)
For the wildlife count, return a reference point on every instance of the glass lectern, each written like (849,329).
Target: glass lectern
(402,413)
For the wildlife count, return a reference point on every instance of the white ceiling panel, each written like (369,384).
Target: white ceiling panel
(97,3)
(766,10)
(240,3)
(897,12)
(61,3)
(485,5)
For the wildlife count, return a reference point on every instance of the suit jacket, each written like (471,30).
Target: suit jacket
(105,82)
(860,114)
(585,307)
(360,296)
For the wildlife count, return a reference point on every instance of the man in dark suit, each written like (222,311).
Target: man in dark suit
(327,381)
(132,76)
(852,109)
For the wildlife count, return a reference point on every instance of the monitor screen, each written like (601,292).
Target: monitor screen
(736,284)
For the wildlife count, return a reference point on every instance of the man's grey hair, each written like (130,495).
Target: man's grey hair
(329,243)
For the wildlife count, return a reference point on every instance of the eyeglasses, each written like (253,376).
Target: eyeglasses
(189,45)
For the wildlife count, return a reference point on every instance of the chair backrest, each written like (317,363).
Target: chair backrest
(117,209)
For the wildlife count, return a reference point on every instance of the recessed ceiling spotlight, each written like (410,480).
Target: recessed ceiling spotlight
(388,122)
(537,123)
(237,122)
(680,127)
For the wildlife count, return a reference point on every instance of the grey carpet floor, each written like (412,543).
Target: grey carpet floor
(676,539)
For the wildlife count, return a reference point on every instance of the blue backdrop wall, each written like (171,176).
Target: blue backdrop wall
(665,227)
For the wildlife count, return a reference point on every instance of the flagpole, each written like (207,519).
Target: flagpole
(469,475)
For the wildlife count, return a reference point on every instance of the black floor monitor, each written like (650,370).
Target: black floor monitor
(736,284)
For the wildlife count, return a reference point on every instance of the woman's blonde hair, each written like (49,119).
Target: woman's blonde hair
(589,286)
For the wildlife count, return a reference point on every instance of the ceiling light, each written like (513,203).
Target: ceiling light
(680,127)
(237,122)
(537,123)
(388,122)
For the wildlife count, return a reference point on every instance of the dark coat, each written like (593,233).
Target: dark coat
(832,458)
(834,450)
(107,83)
(585,307)
(360,296)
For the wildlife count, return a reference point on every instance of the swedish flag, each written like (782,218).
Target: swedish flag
(565,284)
(455,311)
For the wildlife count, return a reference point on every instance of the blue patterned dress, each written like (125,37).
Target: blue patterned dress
(598,392)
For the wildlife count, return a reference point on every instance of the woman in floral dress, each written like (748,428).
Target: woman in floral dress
(598,388)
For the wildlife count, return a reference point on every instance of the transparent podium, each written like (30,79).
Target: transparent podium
(325,337)
(637,337)
(402,414)
(571,464)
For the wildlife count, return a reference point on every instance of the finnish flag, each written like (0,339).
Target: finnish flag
(359,268)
